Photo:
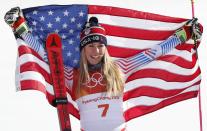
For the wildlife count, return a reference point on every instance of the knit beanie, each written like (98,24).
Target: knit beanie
(92,32)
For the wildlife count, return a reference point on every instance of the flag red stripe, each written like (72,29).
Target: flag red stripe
(27,50)
(161,74)
(73,111)
(153,92)
(50,98)
(71,94)
(136,33)
(123,52)
(32,66)
(142,110)
(179,61)
(36,85)
(115,11)
(186,46)
(32,85)
(68,77)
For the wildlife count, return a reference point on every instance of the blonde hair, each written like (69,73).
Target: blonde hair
(111,73)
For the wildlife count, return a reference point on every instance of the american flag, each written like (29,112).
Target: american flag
(169,79)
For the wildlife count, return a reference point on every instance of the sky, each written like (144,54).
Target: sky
(30,111)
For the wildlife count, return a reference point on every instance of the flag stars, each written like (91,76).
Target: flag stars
(75,61)
(57,19)
(65,26)
(79,25)
(64,36)
(78,36)
(72,20)
(69,54)
(34,23)
(50,12)
(76,48)
(27,16)
(70,41)
(66,13)
(71,31)
(34,12)
(81,13)
(41,36)
(57,31)
(42,18)
(49,25)
(41,29)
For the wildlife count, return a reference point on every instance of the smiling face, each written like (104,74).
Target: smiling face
(94,52)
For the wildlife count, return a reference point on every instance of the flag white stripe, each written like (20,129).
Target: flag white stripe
(158,83)
(68,73)
(136,23)
(70,100)
(32,75)
(170,67)
(150,101)
(17,75)
(69,78)
(173,68)
(130,43)
(135,66)
(184,54)
(31,58)
(68,69)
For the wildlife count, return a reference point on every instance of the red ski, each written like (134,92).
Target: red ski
(54,50)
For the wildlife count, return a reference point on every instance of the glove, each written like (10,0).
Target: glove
(190,30)
(14,18)
(195,29)
(181,33)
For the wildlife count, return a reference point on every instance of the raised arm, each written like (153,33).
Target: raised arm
(15,19)
(132,64)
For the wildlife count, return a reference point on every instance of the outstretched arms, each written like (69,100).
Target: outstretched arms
(190,30)
(15,19)
(132,64)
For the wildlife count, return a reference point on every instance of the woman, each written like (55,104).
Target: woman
(97,86)
(101,80)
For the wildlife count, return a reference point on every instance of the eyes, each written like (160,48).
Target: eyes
(96,45)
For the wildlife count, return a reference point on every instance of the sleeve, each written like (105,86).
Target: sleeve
(69,74)
(38,47)
(131,64)
(35,45)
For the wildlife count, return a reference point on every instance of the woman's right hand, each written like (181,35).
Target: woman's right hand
(14,18)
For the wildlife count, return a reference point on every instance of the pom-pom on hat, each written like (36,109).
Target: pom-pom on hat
(93,32)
